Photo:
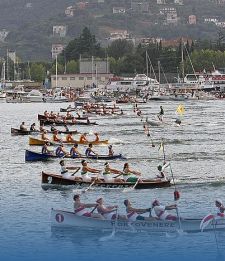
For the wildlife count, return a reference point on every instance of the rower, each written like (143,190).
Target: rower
(85,170)
(134,214)
(69,138)
(55,136)
(60,151)
(42,128)
(127,174)
(108,171)
(161,169)
(96,137)
(53,115)
(83,138)
(32,127)
(46,114)
(220,208)
(79,208)
(66,127)
(65,170)
(161,211)
(44,135)
(74,153)
(68,115)
(109,211)
(178,121)
(89,151)
(111,152)
(45,149)
(74,120)
(161,114)
(23,127)
(53,128)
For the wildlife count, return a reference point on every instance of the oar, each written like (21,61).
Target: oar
(78,168)
(84,191)
(149,135)
(131,188)
(113,229)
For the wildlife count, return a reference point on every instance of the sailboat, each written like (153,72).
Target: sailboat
(2,93)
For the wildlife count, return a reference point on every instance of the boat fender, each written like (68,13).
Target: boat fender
(176,195)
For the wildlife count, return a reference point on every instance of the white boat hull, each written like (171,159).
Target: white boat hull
(66,219)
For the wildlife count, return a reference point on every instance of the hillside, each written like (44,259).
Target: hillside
(30,22)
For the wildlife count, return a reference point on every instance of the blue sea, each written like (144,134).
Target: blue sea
(197,154)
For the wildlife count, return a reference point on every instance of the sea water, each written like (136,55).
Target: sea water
(196,152)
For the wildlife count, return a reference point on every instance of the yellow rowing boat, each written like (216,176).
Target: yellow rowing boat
(40,142)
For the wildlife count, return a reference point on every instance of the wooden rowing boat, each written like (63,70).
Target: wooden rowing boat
(43,117)
(62,123)
(15,131)
(67,219)
(40,142)
(49,179)
(36,156)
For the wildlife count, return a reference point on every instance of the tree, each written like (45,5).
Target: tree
(85,45)
(72,67)
(60,69)
(120,48)
(38,72)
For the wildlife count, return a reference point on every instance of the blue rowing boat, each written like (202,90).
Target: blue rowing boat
(36,156)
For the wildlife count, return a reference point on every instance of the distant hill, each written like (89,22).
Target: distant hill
(30,22)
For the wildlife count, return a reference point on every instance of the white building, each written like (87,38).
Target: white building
(171,18)
(119,10)
(79,80)
(211,20)
(167,10)
(161,2)
(192,19)
(179,2)
(59,30)
(120,34)
(56,50)
(69,12)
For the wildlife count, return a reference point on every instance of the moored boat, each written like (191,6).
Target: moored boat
(39,142)
(67,219)
(49,179)
(36,156)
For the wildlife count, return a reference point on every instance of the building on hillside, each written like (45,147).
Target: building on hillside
(179,2)
(167,10)
(3,35)
(219,2)
(192,19)
(220,24)
(174,43)
(119,10)
(211,20)
(56,50)
(120,34)
(148,40)
(161,2)
(140,7)
(171,18)
(28,5)
(59,30)
(81,5)
(69,12)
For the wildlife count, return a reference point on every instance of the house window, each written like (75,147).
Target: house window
(89,78)
(64,78)
(81,78)
(72,78)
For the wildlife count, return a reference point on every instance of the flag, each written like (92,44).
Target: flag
(161,147)
(206,221)
(180,109)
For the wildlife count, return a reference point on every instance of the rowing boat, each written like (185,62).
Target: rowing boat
(49,179)
(40,142)
(67,219)
(36,156)
(43,117)
(15,131)
(62,123)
